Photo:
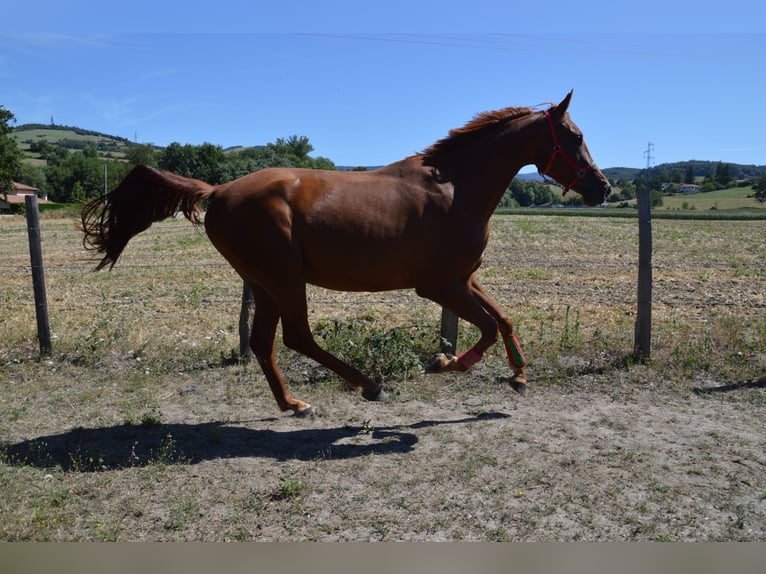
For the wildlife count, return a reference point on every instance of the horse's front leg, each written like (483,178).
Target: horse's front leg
(512,347)
(457,296)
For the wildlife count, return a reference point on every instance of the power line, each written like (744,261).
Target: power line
(648,155)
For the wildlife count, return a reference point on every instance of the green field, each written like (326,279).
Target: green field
(732,198)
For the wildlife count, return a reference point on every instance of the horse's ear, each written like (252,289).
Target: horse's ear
(559,111)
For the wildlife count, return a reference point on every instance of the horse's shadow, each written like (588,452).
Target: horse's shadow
(125,446)
(753,384)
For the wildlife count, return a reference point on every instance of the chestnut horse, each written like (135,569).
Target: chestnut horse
(422,223)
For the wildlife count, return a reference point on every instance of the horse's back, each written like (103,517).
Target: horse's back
(355,231)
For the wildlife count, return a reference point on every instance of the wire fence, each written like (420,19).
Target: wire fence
(531,275)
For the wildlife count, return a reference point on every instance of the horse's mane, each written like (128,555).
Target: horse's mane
(459,137)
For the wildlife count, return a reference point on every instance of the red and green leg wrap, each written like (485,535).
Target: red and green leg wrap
(514,352)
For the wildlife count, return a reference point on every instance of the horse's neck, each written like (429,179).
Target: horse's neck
(484,175)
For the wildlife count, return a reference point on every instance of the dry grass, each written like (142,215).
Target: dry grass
(141,426)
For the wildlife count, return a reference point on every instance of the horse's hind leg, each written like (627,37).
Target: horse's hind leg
(297,335)
(262,342)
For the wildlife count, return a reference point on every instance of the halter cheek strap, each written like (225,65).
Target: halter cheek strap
(557,151)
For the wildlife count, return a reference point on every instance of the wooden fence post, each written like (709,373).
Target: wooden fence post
(642,346)
(38,274)
(245,323)
(449,332)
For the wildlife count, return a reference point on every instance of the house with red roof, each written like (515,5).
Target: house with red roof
(17,195)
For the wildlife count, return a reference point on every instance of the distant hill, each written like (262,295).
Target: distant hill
(620,173)
(74,138)
(703,169)
(529,176)
(68,137)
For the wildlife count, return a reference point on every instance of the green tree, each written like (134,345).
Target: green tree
(33,175)
(211,163)
(10,154)
(759,187)
(81,175)
(206,162)
(78,193)
(180,159)
(290,152)
(522,194)
(689,177)
(627,190)
(709,184)
(141,154)
(722,174)
(296,146)
(296,150)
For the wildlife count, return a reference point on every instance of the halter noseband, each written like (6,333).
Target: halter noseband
(579,172)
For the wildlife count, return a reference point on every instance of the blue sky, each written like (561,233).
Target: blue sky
(370,83)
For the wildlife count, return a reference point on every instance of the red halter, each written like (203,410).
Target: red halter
(580,172)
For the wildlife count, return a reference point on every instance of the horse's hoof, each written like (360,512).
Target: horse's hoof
(519,387)
(438,364)
(308,412)
(377,395)
(435,365)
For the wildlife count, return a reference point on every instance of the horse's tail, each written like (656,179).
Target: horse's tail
(144,196)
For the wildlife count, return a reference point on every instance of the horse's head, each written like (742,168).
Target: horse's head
(568,160)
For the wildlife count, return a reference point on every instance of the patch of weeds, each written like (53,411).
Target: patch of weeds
(498,534)
(658,487)
(109,329)
(289,488)
(474,463)
(545,334)
(147,418)
(80,461)
(181,511)
(151,417)
(167,453)
(37,453)
(367,427)
(51,510)
(613,424)
(632,456)
(537,274)
(194,297)
(107,530)
(18,412)
(722,346)
(384,355)
(254,503)
(380,529)
(571,337)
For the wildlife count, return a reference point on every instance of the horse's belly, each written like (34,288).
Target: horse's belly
(369,271)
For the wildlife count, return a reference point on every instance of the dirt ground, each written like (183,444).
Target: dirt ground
(602,457)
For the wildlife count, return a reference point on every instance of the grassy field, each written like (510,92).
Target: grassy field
(724,199)
(142,425)
(57,136)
